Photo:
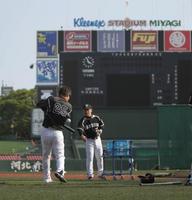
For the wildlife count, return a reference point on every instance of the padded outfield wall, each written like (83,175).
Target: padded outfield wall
(175,136)
(169,125)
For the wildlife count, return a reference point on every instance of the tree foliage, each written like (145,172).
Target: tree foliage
(15,113)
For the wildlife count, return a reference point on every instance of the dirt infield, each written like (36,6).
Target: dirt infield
(69,175)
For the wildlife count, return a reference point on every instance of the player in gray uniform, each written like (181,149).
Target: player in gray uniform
(56,112)
(90,128)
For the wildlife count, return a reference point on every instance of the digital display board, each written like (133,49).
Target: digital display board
(109,80)
(117,68)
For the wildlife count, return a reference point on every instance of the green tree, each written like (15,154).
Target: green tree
(15,113)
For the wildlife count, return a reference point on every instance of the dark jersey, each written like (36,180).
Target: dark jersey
(56,112)
(88,126)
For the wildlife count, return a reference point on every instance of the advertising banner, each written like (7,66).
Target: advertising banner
(36,121)
(111,41)
(177,41)
(47,45)
(47,72)
(44,92)
(144,41)
(77,41)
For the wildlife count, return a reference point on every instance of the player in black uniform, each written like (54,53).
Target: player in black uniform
(56,112)
(90,127)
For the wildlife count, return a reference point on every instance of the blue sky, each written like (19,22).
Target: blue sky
(20,19)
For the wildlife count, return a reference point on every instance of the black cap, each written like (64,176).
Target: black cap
(87,107)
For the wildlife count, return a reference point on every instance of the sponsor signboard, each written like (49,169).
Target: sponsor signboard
(47,45)
(44,92)
(77,41)
(81,22)
(144,41)
(177,41)
(36,121)
(47,72)
(24,165)
(111,41)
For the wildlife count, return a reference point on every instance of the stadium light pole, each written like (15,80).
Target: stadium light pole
(126,8)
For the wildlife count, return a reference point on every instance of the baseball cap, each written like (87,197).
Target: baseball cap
(87,106)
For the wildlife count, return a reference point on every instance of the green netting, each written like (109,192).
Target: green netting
(175,136)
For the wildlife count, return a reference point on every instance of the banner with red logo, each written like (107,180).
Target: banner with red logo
(177,41)
(144,41)
(77,41)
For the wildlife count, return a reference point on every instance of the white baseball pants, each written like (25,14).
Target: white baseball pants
(94,147)
(52,141)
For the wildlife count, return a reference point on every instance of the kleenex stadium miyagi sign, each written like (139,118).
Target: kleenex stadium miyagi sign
(126,23)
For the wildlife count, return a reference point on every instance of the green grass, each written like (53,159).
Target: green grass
(13,146)
(90,190)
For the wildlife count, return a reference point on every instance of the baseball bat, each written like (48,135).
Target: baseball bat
(162,183)
(69,128)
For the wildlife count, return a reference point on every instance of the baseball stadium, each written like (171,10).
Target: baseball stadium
(139,82)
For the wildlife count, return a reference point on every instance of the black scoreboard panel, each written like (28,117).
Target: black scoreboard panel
(139,95)
(127,79)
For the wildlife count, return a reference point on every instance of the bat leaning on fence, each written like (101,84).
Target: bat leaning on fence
(69,128)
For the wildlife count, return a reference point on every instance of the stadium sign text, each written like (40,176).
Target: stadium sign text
(165,23)
(81,22)
(126,23)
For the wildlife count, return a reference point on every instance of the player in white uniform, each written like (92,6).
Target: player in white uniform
(56,112)
(90,128)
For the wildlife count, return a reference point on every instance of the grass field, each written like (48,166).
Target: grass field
(27,189)
(32,188)
(13,146)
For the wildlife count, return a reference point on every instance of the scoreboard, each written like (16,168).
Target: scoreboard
(127,79)
(112,69)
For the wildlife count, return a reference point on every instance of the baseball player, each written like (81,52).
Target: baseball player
(56,112)
(90,128)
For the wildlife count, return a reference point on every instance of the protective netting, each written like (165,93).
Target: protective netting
(175,136)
